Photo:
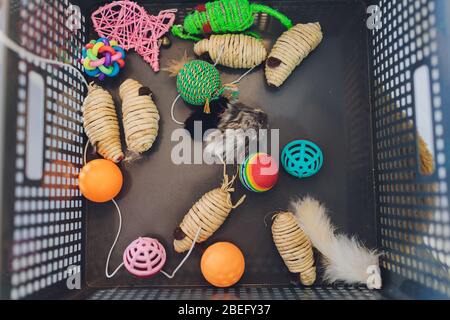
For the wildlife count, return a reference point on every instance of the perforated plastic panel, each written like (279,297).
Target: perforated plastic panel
(47,221)
(414,220)
(307,293)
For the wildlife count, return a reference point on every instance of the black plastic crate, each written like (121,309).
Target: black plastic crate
(354,96)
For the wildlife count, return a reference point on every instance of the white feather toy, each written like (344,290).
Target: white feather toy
(345,258)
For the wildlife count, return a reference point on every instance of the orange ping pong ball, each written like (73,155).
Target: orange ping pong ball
(222,264)
(100,180)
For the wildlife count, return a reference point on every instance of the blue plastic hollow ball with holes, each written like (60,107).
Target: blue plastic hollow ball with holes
(302,158)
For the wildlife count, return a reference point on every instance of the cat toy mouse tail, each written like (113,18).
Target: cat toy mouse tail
(131,156)
(260,8)
(178,31)
(174,66)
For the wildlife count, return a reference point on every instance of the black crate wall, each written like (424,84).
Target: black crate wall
(412,207)
(44,233)
(339,292)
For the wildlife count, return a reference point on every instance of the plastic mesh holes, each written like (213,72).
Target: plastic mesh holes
(302,158)
(48,216)
(337,292)
(413,211)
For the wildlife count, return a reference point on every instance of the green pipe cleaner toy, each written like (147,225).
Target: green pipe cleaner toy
(224,16)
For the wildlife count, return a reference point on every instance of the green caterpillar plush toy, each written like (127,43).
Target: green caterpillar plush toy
(224,16)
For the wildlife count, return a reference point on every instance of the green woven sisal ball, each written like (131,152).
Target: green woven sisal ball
(198,82)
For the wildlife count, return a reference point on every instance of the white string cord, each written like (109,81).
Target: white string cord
(22,51)
(85,152)
(243,76)
(9,43)
(119,229)
(170,276)
(222,49)
(109,276)
(172,111)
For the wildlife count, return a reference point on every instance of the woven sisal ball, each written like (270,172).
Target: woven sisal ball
(302,158)
(144,257)
(199,82)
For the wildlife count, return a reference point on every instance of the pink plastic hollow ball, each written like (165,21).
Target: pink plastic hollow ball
(144,257)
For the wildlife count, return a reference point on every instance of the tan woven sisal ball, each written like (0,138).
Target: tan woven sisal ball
(291,48)
(234,50)
(294,247)
(101,124)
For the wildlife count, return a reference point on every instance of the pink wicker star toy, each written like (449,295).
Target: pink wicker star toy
(133,28)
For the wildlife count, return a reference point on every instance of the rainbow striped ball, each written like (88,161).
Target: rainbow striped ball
(259,172)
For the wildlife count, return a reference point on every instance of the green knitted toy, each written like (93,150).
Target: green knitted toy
(224,16)
(199,82)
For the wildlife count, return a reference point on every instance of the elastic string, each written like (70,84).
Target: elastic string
(22,51)
(220,55)
(170,276)
(172,111)
(109,276)
(85,152)
(243,76)
(119,229)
